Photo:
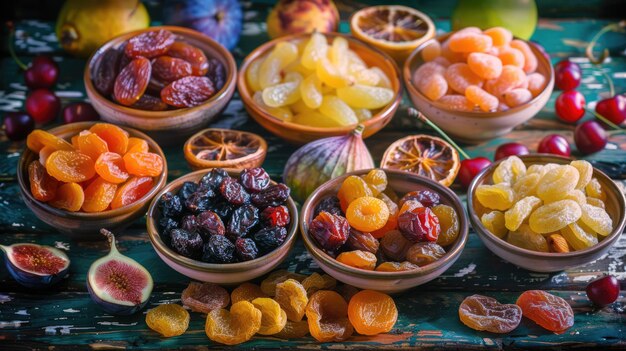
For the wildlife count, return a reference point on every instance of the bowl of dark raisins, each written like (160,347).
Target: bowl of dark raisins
(169,82)
(385,230)
(224,227)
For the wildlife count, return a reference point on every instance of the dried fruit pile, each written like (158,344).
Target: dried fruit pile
(222,219)
(485,71)
(318,84)
(367,226)
(156,70)
(286,305)
(547,208)
(102,169)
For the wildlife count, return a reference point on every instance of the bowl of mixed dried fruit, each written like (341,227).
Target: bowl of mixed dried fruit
(221,226)
(478,85)
(305,87)
(386,230)
(168,82)
(546,213)
(81,177)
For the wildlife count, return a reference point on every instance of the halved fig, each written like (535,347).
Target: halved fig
(119,284)
(36,266)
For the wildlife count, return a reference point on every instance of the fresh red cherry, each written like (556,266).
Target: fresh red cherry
(590,137)
(470,168)
(42,73)
(554,144)
(613,109)
(510,149)
(42,105)
(603,291)
(17,125)
(570,106)
(567,76)
(79,112)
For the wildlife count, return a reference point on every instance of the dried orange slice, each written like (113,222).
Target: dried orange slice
(224,148)
(425,155)
(394,29)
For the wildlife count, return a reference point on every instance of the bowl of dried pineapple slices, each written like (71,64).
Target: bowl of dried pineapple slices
(546,213)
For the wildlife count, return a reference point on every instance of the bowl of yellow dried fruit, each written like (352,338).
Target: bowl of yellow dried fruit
(546,213)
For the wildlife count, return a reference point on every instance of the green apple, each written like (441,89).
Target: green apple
(518,16)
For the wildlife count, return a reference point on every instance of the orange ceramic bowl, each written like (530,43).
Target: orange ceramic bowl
(300,134)
(169,126)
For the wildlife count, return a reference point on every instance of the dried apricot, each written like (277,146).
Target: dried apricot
(294,330)
(38,139)
(235,326)
(358,259)
(42,185)
(143,164)
(273,318)
(352,188)
(204,297)
(137,145)
(70,166)
(292,298)
(44,153)
(98,195)
(367,214)
(246,292)
(132,81)
(268,285)
(110,166)
(69,196)
(150,44)
(549,311)
(372,312)
(327,315)
(485,313)
(449,222)
(115,137)
(91,144)
(376,179)
(191,54)
(317,281)
(134,189)
(188,91)
(168,320)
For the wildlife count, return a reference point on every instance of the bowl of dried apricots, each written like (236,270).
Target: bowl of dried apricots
(386,230)
(546,213)
(167,81)
(478,85)
(81,177)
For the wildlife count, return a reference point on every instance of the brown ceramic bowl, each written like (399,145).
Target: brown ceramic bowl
(82,225)
(401,183)
(301,134)
(548,261)
(228,273)
(170,126)
(475,126)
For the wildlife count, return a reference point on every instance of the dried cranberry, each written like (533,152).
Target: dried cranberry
(189,223)
(186,243)
(267,239)
(329,204)
(213,179)
(234,192)
(419,224)
(218,249)
(197,202)
(209,223)
(329,230)
(243,219)
(170,205)
(246,249)
(277,216)
(425,197)
(273,196)
(254,179)
(186,190)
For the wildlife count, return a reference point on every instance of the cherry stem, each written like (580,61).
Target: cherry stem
(415,113)
(605,53)
(610,81)
(12,49)
(611,124)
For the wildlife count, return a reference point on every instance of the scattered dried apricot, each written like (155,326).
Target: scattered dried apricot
(327,315)
(372,312)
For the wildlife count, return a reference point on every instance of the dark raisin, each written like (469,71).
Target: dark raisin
(170,205)
(209,223)
(213,179)
(234,192)
(186,190)
(218,249)
(273,196)
(189,223)
(217,73)
(254,179)
(166,225)
(243,219)
(277,216)
(223,209)
(198,202)
(329,230)
(267,239)
(358,240)
(246,249)
(329,204)
(425,197)
(186,243)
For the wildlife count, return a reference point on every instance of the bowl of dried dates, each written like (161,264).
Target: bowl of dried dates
(546,213)
(224,227)
(168,82)
(386,230)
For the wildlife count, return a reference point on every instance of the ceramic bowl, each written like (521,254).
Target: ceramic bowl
(391,282)
(301,134)
(82,225)
(544,261)
(478,126)
(228,274)
(169,126)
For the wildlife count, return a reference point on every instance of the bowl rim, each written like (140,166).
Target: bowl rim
(22,176)
(543,158)
(451,255)
(407,75)
(196,265)
(229,85)
(246,97)
(223,163)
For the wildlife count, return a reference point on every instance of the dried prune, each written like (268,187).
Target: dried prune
(234,192)
(242,220)
(132,81)
(166,225)
(329,204)
(276,216)
(189,223)
(358,240)
(272,196)
(186,190)
(170,205)
(329,230)
(267,239)
(169,69)
(425,197)
(217,73)
(419,224)
(150,44)
(246,249)
(209,223)
(188,91)
(213,179)
(218,249)
(149,103)
(186,243)
(223,209)
(254,179)
(106,70)
(199,201)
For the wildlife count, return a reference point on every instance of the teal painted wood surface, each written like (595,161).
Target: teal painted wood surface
(64,316)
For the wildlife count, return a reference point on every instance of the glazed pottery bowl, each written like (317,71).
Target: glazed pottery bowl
(227,273)
(475,126)
(169,126)
(301,134)
(392,282)
(82,225)
(548,261)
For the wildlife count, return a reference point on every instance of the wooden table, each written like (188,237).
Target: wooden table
(64,316)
